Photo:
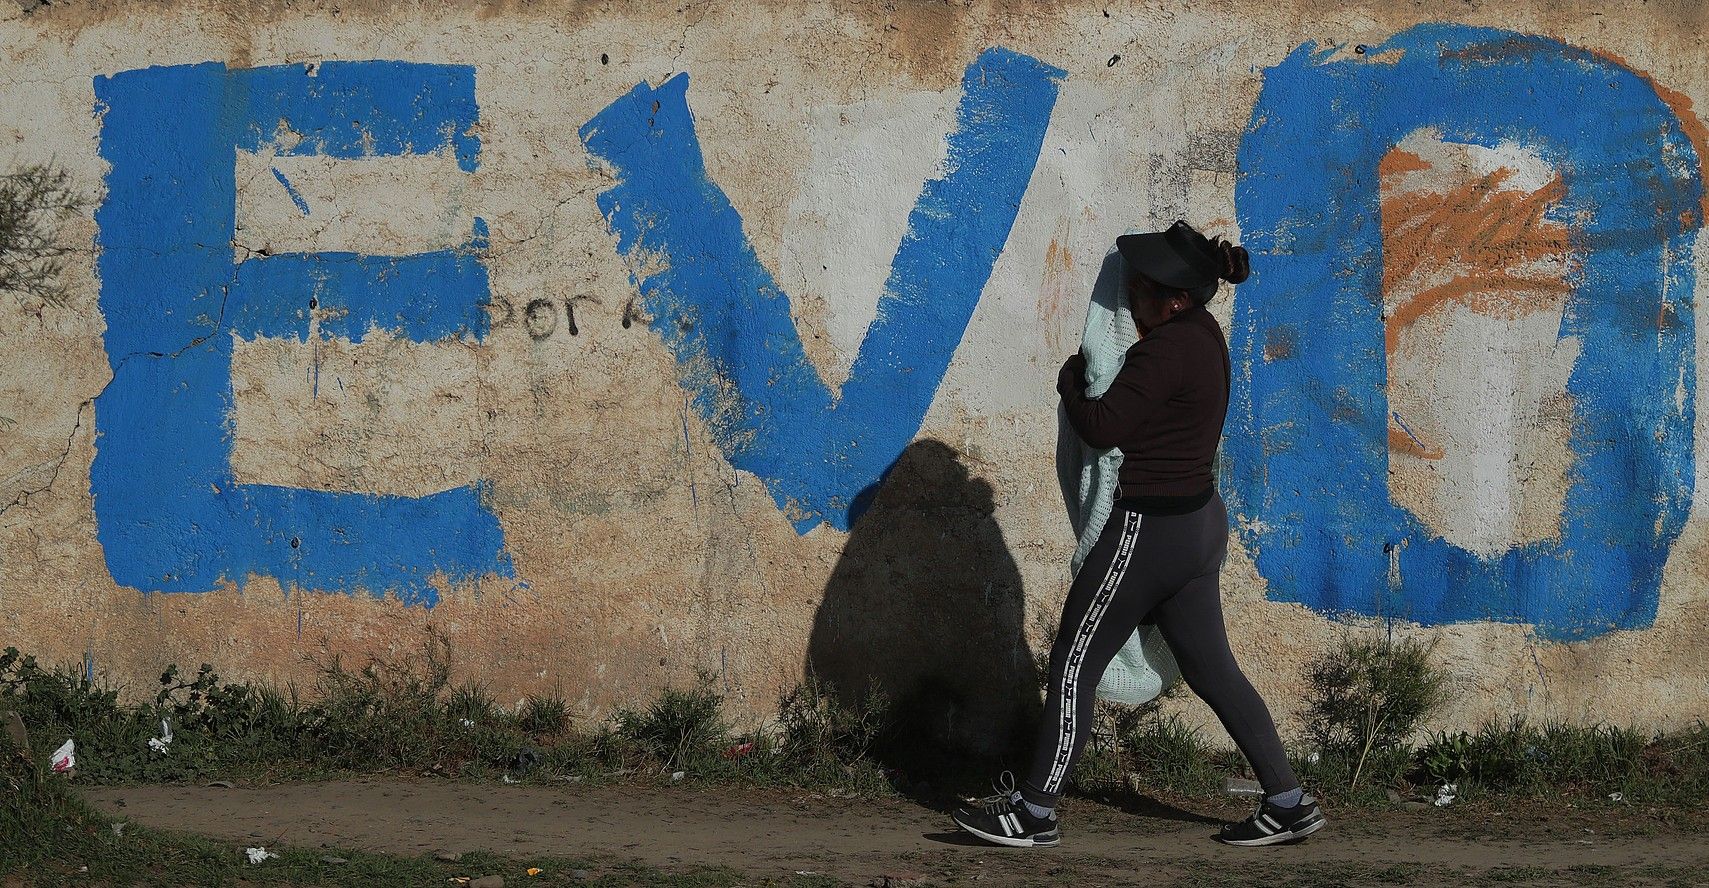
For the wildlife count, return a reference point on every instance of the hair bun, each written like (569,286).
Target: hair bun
(1236,263)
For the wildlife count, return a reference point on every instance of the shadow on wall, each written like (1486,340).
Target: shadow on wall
(926,604)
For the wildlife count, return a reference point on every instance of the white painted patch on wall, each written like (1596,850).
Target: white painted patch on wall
(378,206)
(1495,407)
(1527,170)
(1474,297)
(869,163)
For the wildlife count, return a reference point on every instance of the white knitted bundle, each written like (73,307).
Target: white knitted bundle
(1144,666)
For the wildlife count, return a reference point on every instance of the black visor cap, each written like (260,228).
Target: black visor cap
(1179,257)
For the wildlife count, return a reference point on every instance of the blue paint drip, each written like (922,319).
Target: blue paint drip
(1307,451)
(302,205)
(821,453)
(169,514)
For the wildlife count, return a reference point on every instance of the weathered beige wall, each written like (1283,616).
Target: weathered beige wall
(639,553)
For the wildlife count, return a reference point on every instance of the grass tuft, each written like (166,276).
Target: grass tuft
(820,734)
(1557,759)
(679,728)
(1369,696)
(544,716)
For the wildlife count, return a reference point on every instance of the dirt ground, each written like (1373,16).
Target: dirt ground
(778,833)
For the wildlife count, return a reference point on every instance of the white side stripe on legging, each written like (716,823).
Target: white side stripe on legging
(1066,723)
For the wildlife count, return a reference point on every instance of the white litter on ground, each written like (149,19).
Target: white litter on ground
(159,744)
(65,757)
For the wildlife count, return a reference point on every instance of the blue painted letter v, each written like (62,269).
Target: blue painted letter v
(729,326)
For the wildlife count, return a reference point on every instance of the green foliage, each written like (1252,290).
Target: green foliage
(406,714)
(386,714)
(34,806)
(471,702)
(35,200)
(1098,774)
(60,700)
(1560,759)
(214,725)
(679,728)
(226,722)
(1165,752)
(544,716)
(1368,699)
(1447,758)
(1382,769)
(819,734)
(1370,695)
(1148,750)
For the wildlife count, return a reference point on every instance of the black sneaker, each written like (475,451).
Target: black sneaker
(1273,824)
(1002,820)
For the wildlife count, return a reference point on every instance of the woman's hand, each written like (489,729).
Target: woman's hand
(1072,376)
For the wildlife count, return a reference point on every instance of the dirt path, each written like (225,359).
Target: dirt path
(776,833)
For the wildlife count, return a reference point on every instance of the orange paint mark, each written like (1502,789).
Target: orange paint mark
(1058,282)
(1680,104)
(1399,161)
(1402,442)
(1501,296)
(1477,238)
(1052,253)
(1475,244)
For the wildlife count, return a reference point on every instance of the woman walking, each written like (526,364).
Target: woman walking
(1158,557)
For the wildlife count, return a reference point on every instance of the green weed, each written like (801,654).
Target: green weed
(1554,759)
(544,716)
(820,734)
(1165,752)
(1370,695)
(679,728)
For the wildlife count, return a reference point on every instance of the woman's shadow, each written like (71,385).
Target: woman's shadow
(926,606)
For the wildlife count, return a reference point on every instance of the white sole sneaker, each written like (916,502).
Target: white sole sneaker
(1054,837)
(1281,838)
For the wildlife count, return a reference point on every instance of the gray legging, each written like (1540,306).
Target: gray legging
(1161,569)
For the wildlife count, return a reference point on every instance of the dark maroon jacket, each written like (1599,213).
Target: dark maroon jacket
(1164,410)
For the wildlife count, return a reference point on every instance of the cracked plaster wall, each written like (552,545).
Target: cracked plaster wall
(639,553)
